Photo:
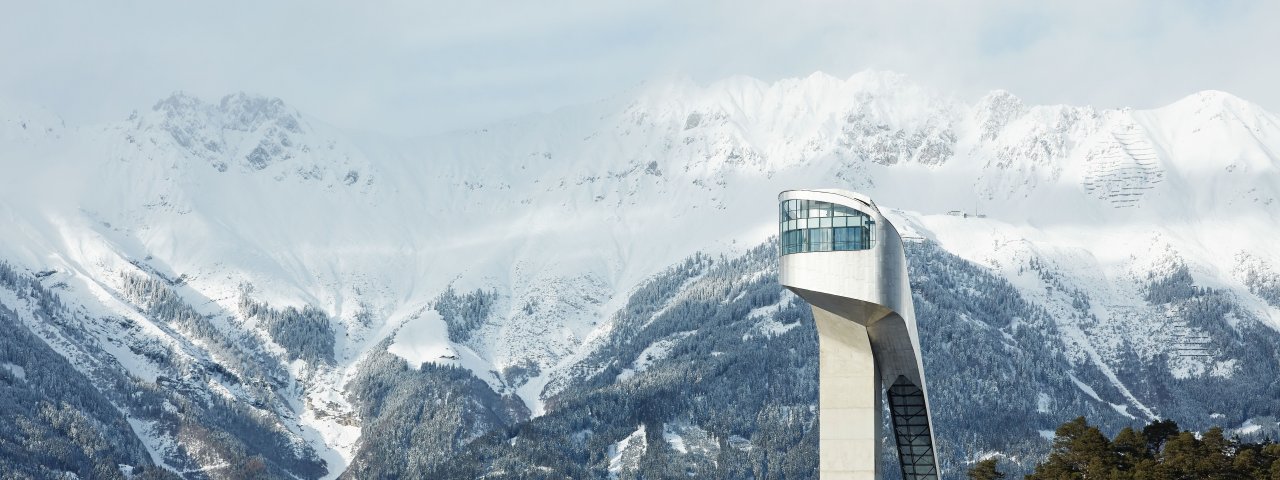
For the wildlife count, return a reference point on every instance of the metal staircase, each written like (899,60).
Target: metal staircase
(911,430)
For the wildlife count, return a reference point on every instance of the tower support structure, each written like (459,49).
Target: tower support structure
(846,260)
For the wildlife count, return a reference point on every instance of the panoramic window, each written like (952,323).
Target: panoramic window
(814,226)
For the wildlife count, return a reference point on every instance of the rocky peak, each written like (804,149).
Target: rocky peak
(28,122)
(219,133)
(994,111)
(249,112)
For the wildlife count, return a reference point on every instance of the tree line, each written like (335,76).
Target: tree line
(1159,451)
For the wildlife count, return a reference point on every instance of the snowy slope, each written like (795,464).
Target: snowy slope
(563,214)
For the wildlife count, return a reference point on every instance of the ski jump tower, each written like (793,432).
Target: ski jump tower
(842,257)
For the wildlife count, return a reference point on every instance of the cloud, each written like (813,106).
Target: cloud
(420,67)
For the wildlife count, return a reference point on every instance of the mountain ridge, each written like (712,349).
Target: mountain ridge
(562,218)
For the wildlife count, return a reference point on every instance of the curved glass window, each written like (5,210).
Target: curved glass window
(814,226)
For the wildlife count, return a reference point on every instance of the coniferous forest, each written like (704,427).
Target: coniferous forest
(1159,451)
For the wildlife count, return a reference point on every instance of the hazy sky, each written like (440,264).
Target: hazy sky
(419,67)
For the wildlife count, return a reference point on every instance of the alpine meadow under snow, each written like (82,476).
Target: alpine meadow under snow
(232,288)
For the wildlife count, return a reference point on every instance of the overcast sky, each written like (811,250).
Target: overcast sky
(419,67)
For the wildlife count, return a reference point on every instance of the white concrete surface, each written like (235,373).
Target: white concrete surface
(866,332)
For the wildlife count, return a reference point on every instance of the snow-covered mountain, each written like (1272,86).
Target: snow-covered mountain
(256,274)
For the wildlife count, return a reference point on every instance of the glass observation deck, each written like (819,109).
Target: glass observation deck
(813,226)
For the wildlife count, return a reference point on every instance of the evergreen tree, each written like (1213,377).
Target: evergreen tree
(1079,450)
(1179,454)
(1271,456)
(1158,432)
(1212,460)
(1247,463)
(1131,448)
(985,470)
